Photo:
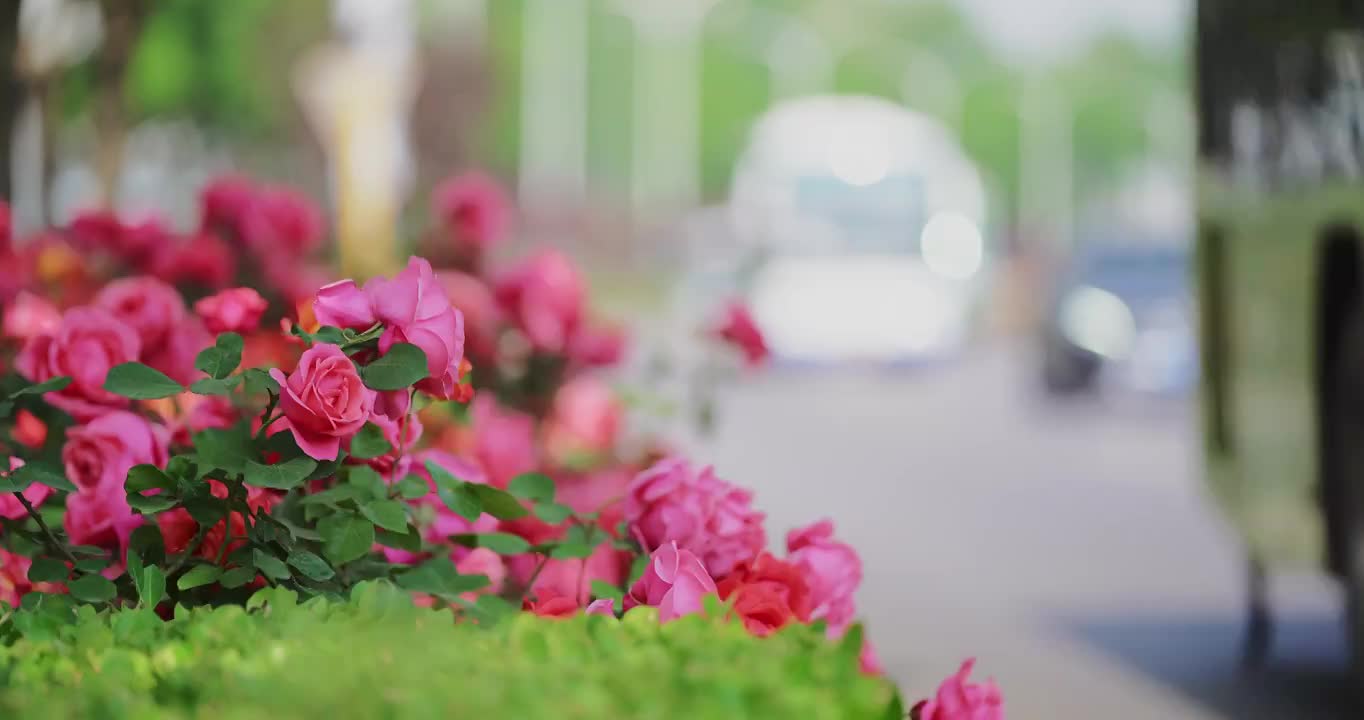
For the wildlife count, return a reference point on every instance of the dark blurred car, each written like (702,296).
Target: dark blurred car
(1121,312)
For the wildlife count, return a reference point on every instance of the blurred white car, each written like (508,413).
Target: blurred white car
(872,221)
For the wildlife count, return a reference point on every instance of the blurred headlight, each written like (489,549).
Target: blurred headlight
(1098,321)
(952,245)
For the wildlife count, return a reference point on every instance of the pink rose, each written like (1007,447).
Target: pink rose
(143,243)
(481,315)
(280,223)
(698,511)
(585,418)
(234,310)
(14,584)
(100,518)
(674,582)
(223,203)
(958,699)
(205,260)
(323,400)
(597,346)
(473,208)
(868,661)
(175,355)
(147,305)
(832,570)
(88,343)
(415,309)
(570,578)
(602,606)
(738,328)
(99,454)
(10,507)
(544,296)
(342,304)
(96,230)
(504,440)
(29,315)
(482,561)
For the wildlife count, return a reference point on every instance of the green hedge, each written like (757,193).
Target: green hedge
(377,656)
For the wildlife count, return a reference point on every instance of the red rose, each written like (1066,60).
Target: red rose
(767,594)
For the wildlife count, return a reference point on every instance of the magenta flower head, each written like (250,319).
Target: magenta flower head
(958,699)
(473,208)
(832,570)
(88,342)
(323,400)
(675,582)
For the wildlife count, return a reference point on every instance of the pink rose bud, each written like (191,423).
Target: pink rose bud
(323,400)
(675,582)
(473,208)
(234,310)
(280,223)
(29,315)
(604,606)
(102,518)
(738,328)
(958,699)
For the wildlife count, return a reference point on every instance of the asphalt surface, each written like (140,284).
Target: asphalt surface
(1069,547)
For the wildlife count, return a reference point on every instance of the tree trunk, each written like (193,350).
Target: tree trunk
(11,93)
(123,20)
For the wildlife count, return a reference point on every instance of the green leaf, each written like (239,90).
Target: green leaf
(345,537)
(43,473)
(271,566)
(237,577)
(552,512)
(280,476)
(502,543)
(603,589)
(457,495)
(387,514)
(312,566)
(533,486)
(258,381)
(92,565)
(153,586)
(206,510)
(413,487)
(489,610)
(215,386)
(140,382)
(151,505)
(329,334)
(367,480)
(228,449)
(440,578)
(92,589)
(332,496)
(200,575)
(47,570)
(12,483)
(399,368)
(369,443)
(498,503)
(53,385)
(409,540)
(146,477)
(571,551)
(220,360)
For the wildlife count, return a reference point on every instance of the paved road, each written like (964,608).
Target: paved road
(1069,547)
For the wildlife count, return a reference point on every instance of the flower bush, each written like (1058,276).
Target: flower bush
(178,441)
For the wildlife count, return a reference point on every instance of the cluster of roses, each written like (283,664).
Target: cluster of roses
(518,346)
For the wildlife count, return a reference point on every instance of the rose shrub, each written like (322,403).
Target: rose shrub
(337,433)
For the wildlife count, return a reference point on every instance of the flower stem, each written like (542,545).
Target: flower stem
(49,537)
